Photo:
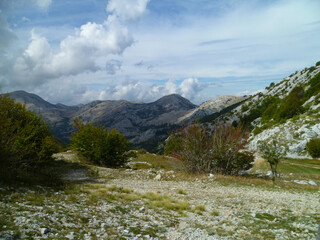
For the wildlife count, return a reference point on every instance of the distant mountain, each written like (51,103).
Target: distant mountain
(144,124)
(288,112)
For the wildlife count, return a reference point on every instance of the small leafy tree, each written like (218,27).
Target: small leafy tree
(313,147)
(25,139)
(100,146)
(172,144)
(272,152)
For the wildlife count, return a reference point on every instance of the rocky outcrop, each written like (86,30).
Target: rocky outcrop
(292,133)
(212,106)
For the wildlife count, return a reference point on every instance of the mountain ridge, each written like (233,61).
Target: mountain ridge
(144,124)
(288,112)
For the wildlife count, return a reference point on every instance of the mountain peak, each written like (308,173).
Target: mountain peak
(175,100)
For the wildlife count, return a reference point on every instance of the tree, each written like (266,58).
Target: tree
(25,139)
(172,144)
(272,152)
(195,148)
(217,151)
(100,146)
(228,143)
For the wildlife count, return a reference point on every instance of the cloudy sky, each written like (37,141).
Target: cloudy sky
(75,51)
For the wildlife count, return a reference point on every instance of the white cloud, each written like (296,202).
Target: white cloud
(68,91)
(127,9)
(190,88)
(78,52)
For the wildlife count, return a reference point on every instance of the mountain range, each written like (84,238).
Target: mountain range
(144,124)
(288,112)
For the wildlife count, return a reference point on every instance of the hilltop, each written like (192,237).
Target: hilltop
(288,111)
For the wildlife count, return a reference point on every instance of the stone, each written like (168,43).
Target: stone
(142,209)
(211,175)
(70,236)
(158,177)
(44,231)
(312,183)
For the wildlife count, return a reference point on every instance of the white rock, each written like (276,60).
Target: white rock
(70,236)
(158,177)
(44,231)
(142,209)
(312,183)
(211,175)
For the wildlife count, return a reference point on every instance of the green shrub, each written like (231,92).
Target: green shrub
(313,147)
(100,146)
(291,105)
(272,153)
(173,144)
(311,69)
(314,86)
(25,139)
(244,108)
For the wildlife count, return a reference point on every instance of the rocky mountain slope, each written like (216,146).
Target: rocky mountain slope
(288,112)
(210,107)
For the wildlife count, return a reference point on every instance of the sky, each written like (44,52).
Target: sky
(74,52)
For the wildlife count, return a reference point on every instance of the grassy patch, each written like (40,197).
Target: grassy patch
(160,162)
(181,191)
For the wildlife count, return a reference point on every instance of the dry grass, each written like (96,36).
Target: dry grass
(160,162)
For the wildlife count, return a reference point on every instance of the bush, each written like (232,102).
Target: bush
(219,151)
(227,144)
(272,152)
(173,144)
(25,139)
(292,104)
(100,146)
(313,147)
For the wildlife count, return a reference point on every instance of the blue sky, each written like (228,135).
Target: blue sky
(140,50)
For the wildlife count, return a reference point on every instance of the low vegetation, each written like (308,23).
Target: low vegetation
(272,153)
(99,145)
(313,147)
(26,144)
(220,151)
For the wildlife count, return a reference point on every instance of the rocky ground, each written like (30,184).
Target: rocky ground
(149,204)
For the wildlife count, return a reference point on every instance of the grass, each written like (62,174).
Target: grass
(292,168)
(181,191)
(296,168)
(159,162)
